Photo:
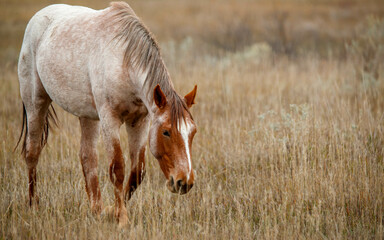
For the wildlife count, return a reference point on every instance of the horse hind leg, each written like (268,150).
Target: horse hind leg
(36,113)
(36,123)
(88,156)
(37,129)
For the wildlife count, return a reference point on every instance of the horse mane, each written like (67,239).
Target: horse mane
(143,52)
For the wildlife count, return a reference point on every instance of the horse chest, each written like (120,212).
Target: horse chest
(132,111)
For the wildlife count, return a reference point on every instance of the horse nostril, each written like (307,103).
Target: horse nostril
(178,184)
(171,182)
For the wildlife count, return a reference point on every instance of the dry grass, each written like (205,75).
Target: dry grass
(287,147)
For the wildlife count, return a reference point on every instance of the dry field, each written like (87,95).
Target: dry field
(290,115)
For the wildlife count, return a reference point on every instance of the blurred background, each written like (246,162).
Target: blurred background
(289,111)
(291,28)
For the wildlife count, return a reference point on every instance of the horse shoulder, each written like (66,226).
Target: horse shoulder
(111,85)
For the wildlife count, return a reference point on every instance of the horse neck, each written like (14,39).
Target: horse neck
(146,94)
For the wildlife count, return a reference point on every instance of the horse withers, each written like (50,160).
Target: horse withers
(105,67)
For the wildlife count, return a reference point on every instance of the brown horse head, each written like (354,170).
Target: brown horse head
(171,139)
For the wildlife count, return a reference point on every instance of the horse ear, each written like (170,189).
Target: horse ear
(159,97)
(190,97)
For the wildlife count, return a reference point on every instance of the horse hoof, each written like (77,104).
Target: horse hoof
(123,221)
(97,209)
(108,212)
(34,203)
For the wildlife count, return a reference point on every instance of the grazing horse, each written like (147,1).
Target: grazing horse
(104,67)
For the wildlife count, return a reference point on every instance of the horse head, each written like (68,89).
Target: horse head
(170,141)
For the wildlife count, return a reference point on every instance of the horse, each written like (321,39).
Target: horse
(105,67)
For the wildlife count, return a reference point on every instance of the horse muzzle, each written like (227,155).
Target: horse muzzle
(179,186)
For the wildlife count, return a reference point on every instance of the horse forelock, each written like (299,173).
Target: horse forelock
(142,52)
(179,111)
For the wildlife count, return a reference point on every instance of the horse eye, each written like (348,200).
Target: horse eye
(166,133)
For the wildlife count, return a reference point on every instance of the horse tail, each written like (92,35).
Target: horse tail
(50,117)
(23,133)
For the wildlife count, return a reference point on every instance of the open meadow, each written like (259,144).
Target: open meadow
(290,116)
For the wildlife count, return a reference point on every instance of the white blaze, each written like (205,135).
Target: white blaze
(185,129)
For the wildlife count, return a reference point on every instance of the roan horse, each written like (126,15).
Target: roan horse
(106,68)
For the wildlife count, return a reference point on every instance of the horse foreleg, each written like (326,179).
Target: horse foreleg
(88,156)
(110,132)
(137,130)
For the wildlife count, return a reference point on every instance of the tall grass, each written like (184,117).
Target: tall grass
(288,146)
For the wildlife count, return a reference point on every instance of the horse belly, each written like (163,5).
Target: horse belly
(74,99)
(68,86)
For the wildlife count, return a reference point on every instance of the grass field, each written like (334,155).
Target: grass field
(290,115)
